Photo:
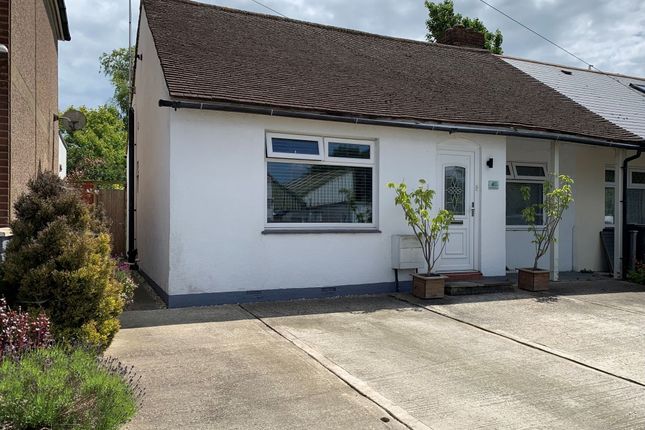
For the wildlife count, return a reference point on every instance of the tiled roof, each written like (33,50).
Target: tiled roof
(608,95)
(212,53)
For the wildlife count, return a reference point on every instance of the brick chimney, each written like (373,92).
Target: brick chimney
(462,36)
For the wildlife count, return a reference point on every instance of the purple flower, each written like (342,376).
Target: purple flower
(20,332)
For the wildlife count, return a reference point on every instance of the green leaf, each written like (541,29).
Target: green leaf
(442,16)
(116,66)
(97,152)
(429,227)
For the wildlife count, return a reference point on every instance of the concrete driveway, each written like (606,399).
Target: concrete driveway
(574,358)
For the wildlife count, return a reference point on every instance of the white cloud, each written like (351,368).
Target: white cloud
(609,35)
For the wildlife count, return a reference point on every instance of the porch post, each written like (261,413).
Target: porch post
(555,246)
(618,214)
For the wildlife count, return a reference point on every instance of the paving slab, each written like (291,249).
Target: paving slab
(450,375)
(612,293)
(601,323)
(220,368)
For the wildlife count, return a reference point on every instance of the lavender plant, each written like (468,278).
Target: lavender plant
(127,374)
(65,388)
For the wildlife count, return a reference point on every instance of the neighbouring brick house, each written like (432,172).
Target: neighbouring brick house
(30,31)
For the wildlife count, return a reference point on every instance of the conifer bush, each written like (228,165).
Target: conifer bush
(59,260)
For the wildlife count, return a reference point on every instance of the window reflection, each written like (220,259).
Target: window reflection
(314,193)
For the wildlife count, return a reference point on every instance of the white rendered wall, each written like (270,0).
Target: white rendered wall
(218,203)
(520,250)
(589,193)
(493,207)
(152,165)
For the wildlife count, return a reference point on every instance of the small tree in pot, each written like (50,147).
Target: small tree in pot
(556,201)
(431,231)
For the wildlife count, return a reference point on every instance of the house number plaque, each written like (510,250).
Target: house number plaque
(493,185)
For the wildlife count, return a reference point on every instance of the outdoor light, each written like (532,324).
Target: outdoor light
(489,163)
(4,49)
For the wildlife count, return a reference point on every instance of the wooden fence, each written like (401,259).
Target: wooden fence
(110,197)
(113,204)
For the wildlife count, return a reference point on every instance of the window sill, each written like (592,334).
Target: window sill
(318,231)
(522,227)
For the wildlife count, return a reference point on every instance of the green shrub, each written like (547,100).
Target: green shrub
(59,260)
(55,388)
(638,274)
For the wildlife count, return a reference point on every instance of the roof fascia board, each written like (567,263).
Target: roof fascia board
(64,24)
(447,127)
(57,14)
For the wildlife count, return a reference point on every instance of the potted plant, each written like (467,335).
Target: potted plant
(431,231)
(556,200)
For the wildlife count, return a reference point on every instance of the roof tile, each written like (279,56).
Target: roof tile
(213,53)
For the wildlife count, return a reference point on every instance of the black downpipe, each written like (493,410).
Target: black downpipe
(623,260)
(132,252)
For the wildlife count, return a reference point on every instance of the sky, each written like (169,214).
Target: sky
(608,34)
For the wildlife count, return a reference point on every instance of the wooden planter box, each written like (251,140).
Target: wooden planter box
(533,280)
(428,287)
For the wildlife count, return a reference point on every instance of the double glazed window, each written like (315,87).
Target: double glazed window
(518,176)
(319,182)
(610,195)
(636,197)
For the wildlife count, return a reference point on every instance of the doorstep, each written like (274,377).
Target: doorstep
(463,276)
(483,286)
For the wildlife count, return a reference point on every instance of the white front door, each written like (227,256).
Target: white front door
(456,193)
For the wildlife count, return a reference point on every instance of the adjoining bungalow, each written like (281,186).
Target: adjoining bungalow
(621,100)
(262,145)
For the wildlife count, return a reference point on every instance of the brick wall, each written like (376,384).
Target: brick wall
(5,112)
(33,96)
(461,36)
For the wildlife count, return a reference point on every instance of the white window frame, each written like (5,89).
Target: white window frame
(370,143)
(326,161)
(631,183)
(610,185)
(517,176)
(521,179)
(273,154)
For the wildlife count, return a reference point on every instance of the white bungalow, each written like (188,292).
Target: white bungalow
(262,145)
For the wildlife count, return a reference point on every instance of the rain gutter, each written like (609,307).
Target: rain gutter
(450,128)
